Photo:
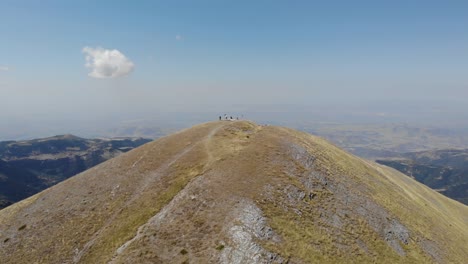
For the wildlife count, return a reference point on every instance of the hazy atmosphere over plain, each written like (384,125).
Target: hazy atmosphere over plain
(91,60)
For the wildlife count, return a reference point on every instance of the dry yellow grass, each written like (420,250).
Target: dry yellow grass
(181,199)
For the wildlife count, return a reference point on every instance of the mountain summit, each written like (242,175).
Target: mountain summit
(236,192)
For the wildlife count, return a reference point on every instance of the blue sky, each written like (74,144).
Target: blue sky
(195,54)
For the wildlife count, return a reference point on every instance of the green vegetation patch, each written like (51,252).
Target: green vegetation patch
(220,247)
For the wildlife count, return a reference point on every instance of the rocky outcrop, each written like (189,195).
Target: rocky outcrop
(248,227)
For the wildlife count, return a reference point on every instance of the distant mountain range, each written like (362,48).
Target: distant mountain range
(28,167)
(446,171)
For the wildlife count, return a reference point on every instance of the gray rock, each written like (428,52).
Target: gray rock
(251,226)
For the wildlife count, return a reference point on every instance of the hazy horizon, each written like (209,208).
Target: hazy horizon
(68,66)
(452,117)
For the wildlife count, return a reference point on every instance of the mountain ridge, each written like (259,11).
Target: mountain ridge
(30,166)
(443,170)
(236,192)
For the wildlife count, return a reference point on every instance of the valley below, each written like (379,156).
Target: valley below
(30,166)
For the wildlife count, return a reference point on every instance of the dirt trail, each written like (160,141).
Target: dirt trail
(209,145)
(136,194)
(208,140)
(147,182)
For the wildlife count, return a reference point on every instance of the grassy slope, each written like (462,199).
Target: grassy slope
(89,216)
(428,214)
(104,205)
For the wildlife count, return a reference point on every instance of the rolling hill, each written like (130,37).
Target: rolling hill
(236,192)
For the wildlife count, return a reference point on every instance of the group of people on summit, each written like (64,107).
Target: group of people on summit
(229,118)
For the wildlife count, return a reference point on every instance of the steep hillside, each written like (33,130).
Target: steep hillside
(446,171)
(30,166)
(236,192)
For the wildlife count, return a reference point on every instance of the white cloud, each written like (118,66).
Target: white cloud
(106,63)
(4,68)
(179,37)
